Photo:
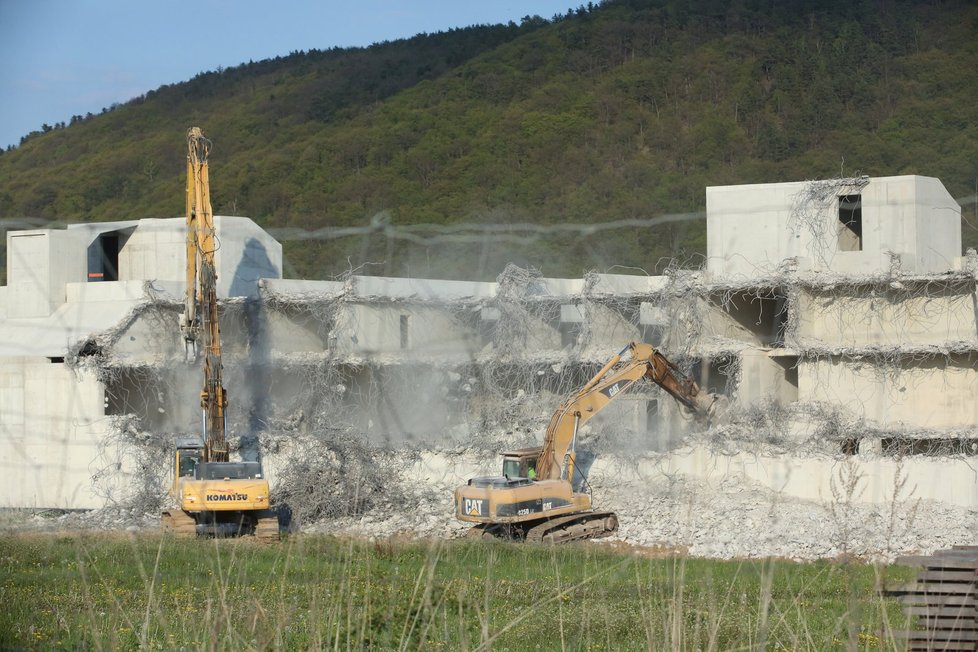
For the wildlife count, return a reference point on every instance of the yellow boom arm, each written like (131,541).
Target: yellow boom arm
(200,311)
(556,461)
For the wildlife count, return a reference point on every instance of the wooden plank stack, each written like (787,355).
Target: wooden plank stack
(943,599)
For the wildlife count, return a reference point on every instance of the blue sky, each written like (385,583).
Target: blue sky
(60,58)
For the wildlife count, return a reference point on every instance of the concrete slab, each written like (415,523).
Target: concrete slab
(559,287)
(622,284)
(301,288)
(71,324)
(420,288)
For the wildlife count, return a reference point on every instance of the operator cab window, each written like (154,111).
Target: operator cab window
(511,468)
(189,459)
(520,468)
(231,470)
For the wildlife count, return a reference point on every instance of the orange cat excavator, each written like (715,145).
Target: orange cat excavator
(216,496)
(534,499)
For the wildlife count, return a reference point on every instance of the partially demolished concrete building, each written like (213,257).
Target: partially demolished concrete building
(839,318)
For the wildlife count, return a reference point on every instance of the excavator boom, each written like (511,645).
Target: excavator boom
(557,458)
(200,321)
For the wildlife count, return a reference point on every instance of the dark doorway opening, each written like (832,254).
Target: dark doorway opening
(405,342)
(850,223)
(103,255)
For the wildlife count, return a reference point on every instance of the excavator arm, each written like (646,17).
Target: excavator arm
(556,460)
(199,323)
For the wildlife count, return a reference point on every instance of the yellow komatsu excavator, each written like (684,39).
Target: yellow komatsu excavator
(534,499)
(216,496)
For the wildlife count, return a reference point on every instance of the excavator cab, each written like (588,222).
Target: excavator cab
(189,455)
(521,463)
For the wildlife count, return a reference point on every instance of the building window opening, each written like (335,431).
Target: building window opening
(850,446)
(850,223)
(901,446)
(103,259)
(653,335)
(651,415)
(404,331)
(791,377)
(487,330)
(714,374)
(569,334)
(488,321)
(762,312)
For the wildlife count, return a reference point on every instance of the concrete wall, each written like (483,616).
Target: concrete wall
(157,250)
(937,221)
(418,289)
(766,378)
(903,315)
(954,482)
(747,230)
(295,332)
(246,254)
(411,330)
(743,317)
(39,264)
(752,230)
(52,430)
(926,392)
(151,337)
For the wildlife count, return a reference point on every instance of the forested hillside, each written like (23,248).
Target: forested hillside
(568,144)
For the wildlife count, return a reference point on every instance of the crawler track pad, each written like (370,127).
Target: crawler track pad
(178,523)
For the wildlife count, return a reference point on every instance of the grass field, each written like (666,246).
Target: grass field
(105,591)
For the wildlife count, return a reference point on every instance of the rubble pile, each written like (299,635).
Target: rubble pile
(330,478)
(725,517)
(728,518)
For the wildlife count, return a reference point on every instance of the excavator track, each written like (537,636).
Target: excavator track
(266,528)
(575,527)
(480,531)
(178,523)
(494,531)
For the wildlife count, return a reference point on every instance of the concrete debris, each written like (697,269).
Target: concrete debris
(726,518)
(337,477)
